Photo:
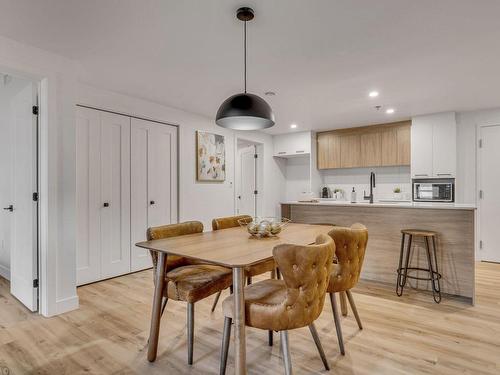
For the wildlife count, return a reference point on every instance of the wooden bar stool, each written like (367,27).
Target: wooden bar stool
(432,269)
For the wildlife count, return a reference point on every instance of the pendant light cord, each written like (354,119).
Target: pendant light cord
(245,55)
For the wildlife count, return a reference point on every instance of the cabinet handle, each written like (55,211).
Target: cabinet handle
(9,208)
(106,204)
(300,151)
(421,174)
(281,152)
(444,174)
(152,202)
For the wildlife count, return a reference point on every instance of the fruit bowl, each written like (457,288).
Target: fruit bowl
(264,226)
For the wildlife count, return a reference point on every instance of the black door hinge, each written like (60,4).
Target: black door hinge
(35,197)
(255,192)
(255,156)
(35,283)
(35,110)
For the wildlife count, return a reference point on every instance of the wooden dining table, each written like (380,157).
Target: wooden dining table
(233,248)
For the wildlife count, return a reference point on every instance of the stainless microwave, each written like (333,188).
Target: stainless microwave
(434,190)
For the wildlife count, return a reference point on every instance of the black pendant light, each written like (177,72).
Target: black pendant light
(245,111)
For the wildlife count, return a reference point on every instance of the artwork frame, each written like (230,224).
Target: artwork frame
(210,157)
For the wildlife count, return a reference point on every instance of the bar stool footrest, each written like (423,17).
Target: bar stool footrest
(436,275)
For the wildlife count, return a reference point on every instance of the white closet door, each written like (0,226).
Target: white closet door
(88,195)
(154,183)
(115,194)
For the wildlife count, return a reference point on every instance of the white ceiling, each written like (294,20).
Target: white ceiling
(321,57)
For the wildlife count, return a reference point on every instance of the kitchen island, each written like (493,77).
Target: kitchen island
(454,223)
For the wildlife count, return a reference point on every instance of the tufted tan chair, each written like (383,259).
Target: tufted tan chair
(254,270)
(294,302)
(186,280)
(350,245)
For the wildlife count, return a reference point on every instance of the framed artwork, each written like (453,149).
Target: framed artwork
(210,157)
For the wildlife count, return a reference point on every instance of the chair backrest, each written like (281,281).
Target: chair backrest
(350,248)
(171,230)
(306,272)
(229,221)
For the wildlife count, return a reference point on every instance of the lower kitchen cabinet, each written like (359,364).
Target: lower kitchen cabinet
(126,181)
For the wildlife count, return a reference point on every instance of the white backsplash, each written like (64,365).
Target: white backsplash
(387,178)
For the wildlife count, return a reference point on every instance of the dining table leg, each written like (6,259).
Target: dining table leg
(240,346)
(157,300)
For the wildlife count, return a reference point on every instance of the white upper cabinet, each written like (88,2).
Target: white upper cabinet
(292,144)
(433,146)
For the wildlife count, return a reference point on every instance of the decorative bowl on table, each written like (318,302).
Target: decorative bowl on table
(264,226)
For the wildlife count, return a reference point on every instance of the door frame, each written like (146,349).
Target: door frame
(479,126)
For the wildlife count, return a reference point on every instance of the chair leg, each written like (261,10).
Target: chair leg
(315,336)
(226,336)
(270,337)
(285,348)
(249,280)
(343,303)
(354,309)
(231,289)
(214,305)
(278,273)
(190,331)
(336,318)
(163,305)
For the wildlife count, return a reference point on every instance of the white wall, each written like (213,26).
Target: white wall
(197,200)
(387,178)
(57,165)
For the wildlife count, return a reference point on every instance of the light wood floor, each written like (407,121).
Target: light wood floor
(108,334)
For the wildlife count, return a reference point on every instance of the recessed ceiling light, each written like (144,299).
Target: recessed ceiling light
(270,93)
(293,126)
(373,94)
(389,111)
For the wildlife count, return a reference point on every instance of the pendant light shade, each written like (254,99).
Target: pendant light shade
(245,111)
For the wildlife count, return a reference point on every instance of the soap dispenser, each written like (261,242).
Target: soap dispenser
(353,195)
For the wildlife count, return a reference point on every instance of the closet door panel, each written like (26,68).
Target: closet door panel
(115,194)
(154,183)
(88,198)
(140,133)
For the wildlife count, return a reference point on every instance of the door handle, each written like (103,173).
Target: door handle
(9,208)
(239,196)
(152,202)
(106,204)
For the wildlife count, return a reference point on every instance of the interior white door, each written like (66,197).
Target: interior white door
(115,194)
(489,184)
(154,183)
(246,202)
(88,195)
(24,245)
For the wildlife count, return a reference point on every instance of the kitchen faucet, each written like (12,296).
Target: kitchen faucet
(372,185)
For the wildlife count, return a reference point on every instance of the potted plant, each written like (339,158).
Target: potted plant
(397,193)
(338,194)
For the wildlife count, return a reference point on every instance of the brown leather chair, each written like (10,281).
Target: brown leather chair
(294,302)
(258,269)
(186,280)
(350,245)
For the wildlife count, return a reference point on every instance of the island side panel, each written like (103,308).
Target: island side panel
(455,241)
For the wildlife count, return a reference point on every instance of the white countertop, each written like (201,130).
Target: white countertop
(394,204)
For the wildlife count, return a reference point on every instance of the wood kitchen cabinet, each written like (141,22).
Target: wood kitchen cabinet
(368,146)
(328,151)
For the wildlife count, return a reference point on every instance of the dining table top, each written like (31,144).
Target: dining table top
(234,247)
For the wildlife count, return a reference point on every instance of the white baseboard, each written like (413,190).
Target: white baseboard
(67,304)
(5,272)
